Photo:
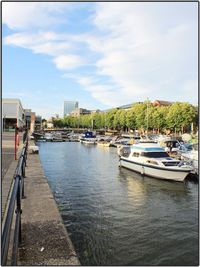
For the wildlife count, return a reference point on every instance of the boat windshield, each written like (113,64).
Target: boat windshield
(154,154)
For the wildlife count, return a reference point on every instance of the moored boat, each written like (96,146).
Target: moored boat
(191,157)
(152,160)
(103,143)
(89,141)
(89,138)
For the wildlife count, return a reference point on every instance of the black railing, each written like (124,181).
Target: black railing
(14,205)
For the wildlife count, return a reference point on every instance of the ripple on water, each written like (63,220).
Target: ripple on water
(117,217)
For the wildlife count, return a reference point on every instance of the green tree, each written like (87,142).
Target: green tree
(130,119)
(140,111)
(159,115)
(110,118)
(180,115)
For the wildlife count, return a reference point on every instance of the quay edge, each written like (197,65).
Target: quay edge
(45,240)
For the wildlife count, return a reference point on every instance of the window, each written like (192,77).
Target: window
(155,154)
(152,162)
(135,154)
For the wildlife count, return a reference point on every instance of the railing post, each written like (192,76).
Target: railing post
(17,233)
(19,210)
(8,222)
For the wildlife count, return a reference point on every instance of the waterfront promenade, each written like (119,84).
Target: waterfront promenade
(45,240)
(9,164)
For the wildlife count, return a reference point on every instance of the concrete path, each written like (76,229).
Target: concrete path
(9,165)
(45,240)
(8,147)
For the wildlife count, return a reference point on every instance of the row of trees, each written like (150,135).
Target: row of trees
(177,116)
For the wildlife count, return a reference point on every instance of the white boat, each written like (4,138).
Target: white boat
(103,143)
(172,145)
(89,141)
(41,140)
(48,137)
(152,160)
(191,157)
(57,137)
(88,138)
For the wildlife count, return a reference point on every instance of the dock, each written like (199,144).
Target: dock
(44,238)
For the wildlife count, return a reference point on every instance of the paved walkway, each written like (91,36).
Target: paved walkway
(45,240)
(9,165)
(8,148)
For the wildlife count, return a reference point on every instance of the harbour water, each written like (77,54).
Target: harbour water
(117,217)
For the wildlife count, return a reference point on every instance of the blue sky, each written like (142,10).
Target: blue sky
(100,54)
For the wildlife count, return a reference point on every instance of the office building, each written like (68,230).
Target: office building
(12,114)
(69,106)
(80,111)
(28,118)
(38,123)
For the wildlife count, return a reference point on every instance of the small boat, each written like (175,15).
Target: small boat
(120,142)
(41,140)
(191,157)
(57,137)
(152,160)
(88,138)
(48,137)
(103,143)
(172,146)
(89,141)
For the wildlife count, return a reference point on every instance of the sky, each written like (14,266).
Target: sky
(101,54)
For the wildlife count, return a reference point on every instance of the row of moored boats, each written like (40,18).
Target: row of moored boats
(156,156)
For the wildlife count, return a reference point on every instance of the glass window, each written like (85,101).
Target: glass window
(152,162)
(154,154)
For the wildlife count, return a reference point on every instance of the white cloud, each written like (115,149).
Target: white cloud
(25,15)
(47,43)
(65,62)
(141,49)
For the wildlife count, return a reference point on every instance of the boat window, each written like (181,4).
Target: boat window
(152,162)
(154,154)
(135,154)
(125,152)
(173,144)
(174,163)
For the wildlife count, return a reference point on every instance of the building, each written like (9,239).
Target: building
(95,111)
(158,103)
(69,106)
(32,125)
(49,124)
(27,118)
(124,107)
(79,111)
(12,114)
(38,123)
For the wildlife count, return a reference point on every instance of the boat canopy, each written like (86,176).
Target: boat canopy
(147,149)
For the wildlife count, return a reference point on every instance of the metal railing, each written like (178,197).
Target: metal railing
(14,205)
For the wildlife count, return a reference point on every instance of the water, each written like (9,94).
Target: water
(117,217)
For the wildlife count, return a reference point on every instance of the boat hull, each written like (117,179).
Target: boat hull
(103,144)
(167,174)
(87,142)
